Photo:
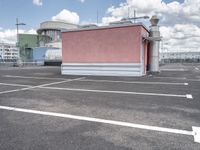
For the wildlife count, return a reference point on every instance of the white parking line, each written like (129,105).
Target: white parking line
(177,78)
(188,96)
(16,85)
(25,67)
(181,78)
(40,86)
(16,90)
(31,77)
(133,82)
(174,69)
(195,133)
(43,78)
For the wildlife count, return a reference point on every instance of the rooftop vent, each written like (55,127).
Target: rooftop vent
(89,26)
(121,22)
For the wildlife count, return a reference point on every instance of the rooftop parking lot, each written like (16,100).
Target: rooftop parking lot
(41,109)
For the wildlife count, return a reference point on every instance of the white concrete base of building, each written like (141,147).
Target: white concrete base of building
(103,69)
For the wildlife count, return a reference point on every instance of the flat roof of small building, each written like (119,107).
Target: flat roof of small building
(113,25)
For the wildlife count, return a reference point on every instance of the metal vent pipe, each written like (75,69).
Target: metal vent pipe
(154,45)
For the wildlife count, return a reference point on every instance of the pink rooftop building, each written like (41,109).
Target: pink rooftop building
(115,50)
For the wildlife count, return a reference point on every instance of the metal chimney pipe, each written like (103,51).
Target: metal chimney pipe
(154,45)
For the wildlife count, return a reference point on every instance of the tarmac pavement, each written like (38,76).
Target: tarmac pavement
(41,109)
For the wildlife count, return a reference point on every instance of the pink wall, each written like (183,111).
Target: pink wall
(110,45)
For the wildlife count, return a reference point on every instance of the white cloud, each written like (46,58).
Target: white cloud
(181,37)
(107,20)
(180,22)
(67,16)
(37,2)
(10,35)
(189,10)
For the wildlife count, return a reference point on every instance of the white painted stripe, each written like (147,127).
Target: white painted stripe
(54,83)
(189,96)
(181,78)
(25,68)
(40,86)
(194,80)
(174,69)
(177,78)
(9,84)
(16,90)
(111,81)
(133,82)
(196,134)
(117,92)
(31,77)
(98,120)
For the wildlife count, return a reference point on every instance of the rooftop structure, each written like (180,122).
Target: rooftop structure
(114,50)
(53,30)
(111,25)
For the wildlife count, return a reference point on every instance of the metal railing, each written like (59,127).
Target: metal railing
(188,60)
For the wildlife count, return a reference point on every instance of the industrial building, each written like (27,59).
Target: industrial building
(53,30)
(29,41)
(8,52)
(33,47)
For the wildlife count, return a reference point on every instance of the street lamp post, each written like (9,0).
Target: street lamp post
(17,25)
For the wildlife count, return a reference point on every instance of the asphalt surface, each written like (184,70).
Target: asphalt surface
(44,89)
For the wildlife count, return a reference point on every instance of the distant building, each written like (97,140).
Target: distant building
(34,46)
(28,41)
(180,56)
(8,52)
(53,30)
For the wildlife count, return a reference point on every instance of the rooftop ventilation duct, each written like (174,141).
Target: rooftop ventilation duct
(89,26)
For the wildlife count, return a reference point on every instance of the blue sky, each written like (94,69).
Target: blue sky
(179,20)
(32,14)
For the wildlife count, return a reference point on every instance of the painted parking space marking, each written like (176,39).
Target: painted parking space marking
(32,77)
(40,86)
(175,78)
(188,96)
(15,85)
(12,91)
(133,82)
(109,81)
(65,81)
(195,130)
(25,67)
(174,69)
(44,86)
